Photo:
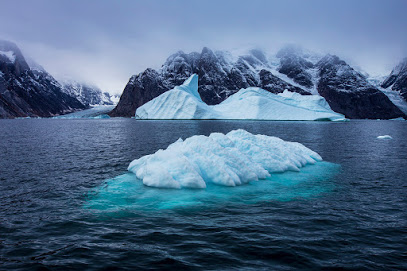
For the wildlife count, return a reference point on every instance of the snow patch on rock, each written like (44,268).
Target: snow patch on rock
(9,54)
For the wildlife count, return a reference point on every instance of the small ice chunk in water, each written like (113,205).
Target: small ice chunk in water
(384,137)
(233,159)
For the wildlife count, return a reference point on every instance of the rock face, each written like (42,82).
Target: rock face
(348,92)
(397,80)
(295,66)
(26,92)
(87,94)
(221,75)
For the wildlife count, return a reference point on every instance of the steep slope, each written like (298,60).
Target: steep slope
(394,96)
(29,93)
(348,92)
(220,75)
(295,66)
(397,80)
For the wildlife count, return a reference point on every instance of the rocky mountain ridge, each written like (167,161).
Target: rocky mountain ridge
(397,80)
(220,75)
(29,93)
(87,94)
(28,90)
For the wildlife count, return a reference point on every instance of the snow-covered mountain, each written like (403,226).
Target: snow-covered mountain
(26,92)
(222,74)
(397,80)
(87,94)
(184,102)
(395,96)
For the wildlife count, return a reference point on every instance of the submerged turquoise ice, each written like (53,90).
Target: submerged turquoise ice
(127,193)
(203,171)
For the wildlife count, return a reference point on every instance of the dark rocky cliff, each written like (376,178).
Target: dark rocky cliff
(29,93)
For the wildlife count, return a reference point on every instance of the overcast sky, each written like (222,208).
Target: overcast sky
(105,42)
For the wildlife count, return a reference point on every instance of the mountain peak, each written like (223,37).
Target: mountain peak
(289,50)
(259,54)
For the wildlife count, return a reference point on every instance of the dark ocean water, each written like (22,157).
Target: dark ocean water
(66,201)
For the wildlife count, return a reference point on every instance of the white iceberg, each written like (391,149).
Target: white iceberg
(233,159)
(184,102)
(384,137)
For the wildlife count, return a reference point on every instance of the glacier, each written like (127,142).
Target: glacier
(96,112)
(231,159)
(184,102)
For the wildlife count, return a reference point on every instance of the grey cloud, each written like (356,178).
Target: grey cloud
(104,42)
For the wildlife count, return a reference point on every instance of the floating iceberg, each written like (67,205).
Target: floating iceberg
(233,159)
(384,137)
(184,102)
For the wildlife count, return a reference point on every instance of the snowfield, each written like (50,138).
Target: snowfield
(184,102)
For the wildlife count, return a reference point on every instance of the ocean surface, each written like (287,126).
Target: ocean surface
(67,201)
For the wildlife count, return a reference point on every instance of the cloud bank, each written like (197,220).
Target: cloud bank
(105,42)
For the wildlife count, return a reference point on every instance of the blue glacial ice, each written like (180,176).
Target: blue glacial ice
(184,102)
(236,158)
(126,194)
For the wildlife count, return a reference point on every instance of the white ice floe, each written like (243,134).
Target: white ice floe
(384,137)
(184,102)
(233,159)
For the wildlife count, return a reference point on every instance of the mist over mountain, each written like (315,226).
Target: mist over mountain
(28,90)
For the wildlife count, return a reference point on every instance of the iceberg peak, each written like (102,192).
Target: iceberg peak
(191,86)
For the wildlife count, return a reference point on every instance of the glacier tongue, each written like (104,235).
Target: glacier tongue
(184,102)
(233,159)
